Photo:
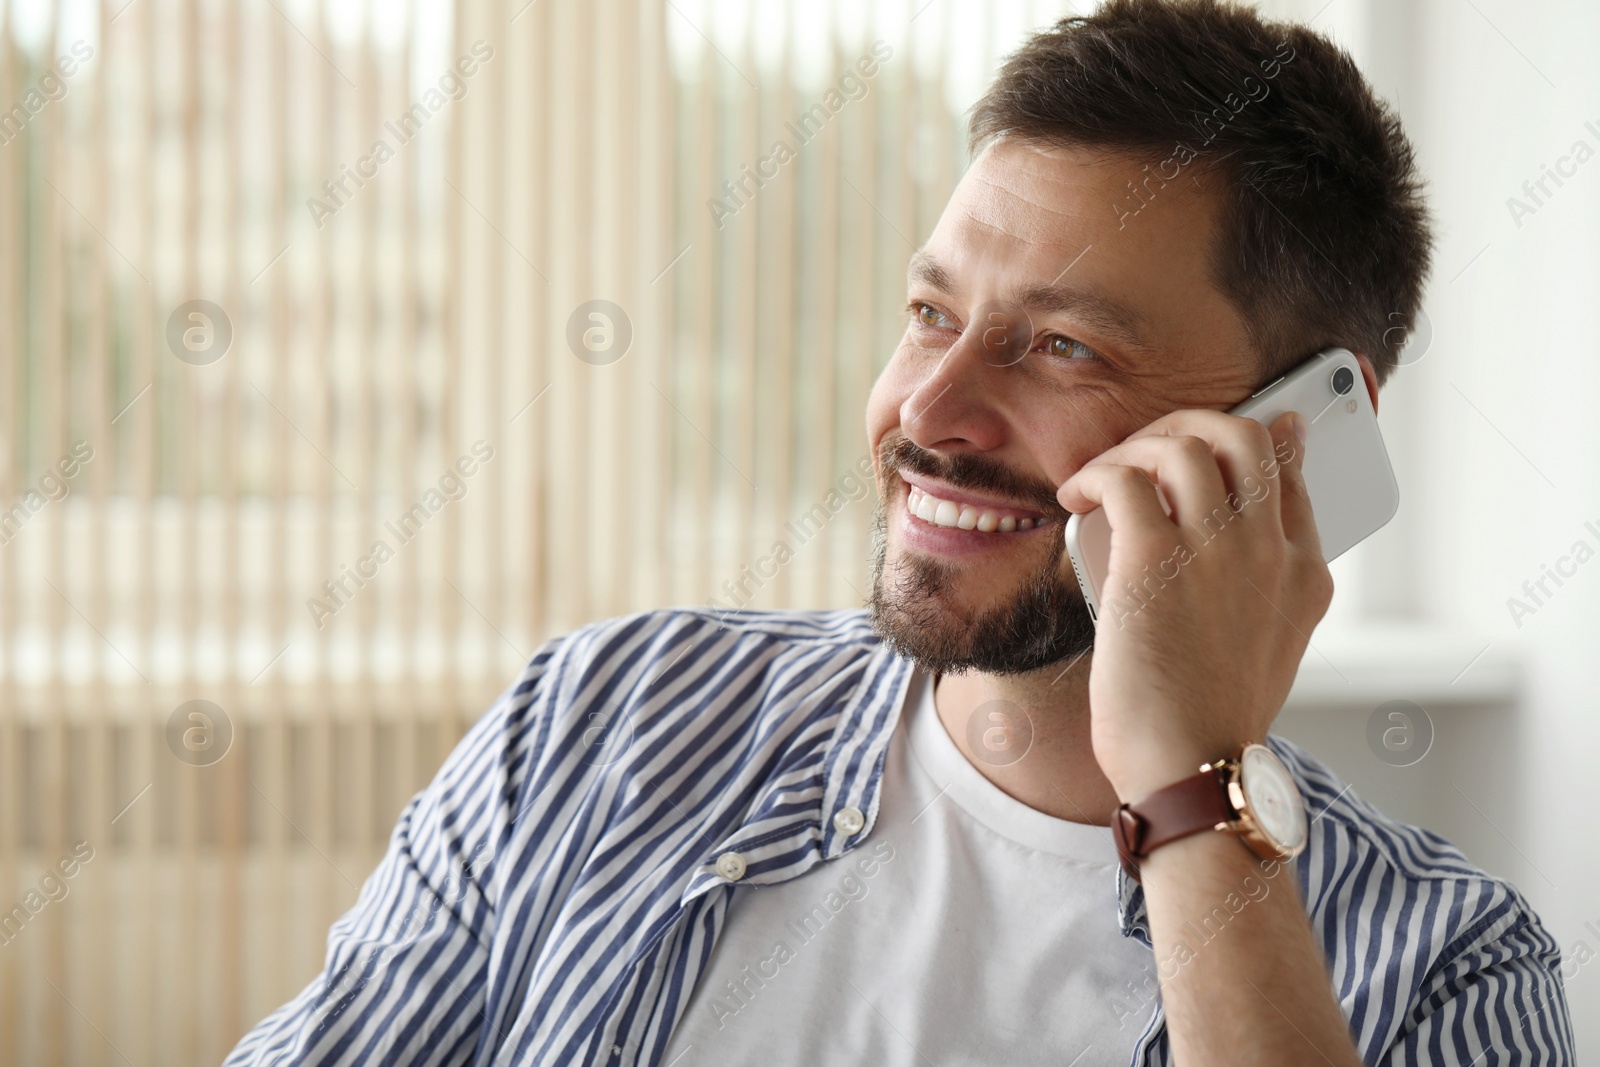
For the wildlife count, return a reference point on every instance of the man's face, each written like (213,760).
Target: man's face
(1046,324)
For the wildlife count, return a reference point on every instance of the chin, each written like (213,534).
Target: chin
(1029,618)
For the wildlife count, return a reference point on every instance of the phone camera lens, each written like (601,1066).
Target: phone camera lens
(1343,380)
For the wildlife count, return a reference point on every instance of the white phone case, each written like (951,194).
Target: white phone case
(1352,486)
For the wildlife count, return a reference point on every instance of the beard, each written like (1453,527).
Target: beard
(1044,621)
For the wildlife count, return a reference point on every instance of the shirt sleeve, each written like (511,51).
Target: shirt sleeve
(405,974)
(1498,1001)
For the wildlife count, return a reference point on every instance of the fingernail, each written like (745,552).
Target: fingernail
(1298,424)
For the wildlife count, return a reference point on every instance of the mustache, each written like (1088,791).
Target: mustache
(976,473)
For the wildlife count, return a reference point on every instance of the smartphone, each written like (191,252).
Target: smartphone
(1352,486)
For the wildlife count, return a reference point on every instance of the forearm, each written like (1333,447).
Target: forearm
(1242,979)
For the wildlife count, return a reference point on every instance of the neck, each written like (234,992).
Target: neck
(1054,771)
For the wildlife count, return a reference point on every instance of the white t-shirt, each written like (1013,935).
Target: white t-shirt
(968,929)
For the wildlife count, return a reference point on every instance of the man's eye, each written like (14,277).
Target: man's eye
(928,315)
(1067,348)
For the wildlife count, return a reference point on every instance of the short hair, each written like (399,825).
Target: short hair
(1323,238)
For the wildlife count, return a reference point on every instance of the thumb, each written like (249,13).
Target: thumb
(1288,439)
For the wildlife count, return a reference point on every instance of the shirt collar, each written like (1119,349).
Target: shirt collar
(850,774)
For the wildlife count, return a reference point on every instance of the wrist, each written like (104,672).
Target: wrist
(1188,856)
(1158,767)
(1249,794)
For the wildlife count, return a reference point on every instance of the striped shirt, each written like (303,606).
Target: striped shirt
(553,895)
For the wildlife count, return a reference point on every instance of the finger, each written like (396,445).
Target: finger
(1243,449)
(1129,499)
(1299,523)
(1183,468)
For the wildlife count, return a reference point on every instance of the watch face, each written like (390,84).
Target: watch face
(1273,798)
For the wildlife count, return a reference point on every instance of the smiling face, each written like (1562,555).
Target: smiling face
(1046,322)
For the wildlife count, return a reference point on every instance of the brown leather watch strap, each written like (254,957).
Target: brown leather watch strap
(1186,807)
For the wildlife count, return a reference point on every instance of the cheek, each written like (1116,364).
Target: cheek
(1068,429)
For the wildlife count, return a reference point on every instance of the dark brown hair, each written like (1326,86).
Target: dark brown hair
(1324,238)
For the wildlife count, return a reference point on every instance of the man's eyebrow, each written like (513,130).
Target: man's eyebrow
(927,270)
(1105,314)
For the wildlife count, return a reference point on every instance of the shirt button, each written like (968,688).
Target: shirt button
(731,866)
(848,821)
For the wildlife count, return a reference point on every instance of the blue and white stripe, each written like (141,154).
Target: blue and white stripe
(551,897)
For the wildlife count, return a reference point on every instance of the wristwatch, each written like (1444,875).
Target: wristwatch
(1251,795)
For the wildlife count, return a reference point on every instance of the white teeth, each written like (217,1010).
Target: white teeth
(931,509)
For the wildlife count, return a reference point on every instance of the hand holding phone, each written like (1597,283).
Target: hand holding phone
(1214,601)
(1347,472)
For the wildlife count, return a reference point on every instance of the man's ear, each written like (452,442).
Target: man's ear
(1371,377)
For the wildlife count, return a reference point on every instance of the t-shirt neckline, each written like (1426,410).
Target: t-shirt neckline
(936,752)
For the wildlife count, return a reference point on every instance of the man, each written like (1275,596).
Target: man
(838,837)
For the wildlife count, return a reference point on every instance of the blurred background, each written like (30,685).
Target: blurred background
(351,349)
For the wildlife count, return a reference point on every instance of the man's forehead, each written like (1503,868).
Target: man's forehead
(1024,199)
(1040,196)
